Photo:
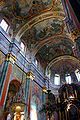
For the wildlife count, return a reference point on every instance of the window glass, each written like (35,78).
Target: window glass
(77,72)
(36,62)
(57,79)
(4,25)
(22,46)
(68,78)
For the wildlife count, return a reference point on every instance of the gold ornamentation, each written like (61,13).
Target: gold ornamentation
(2,3)
(36,20)
(44,89)
(75,34)
(30,75)
(10,58)
(18,109)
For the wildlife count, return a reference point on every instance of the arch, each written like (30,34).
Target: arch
(16,83)
(65,57)
(14,86)
(13,89)
(35,20)
(50,40)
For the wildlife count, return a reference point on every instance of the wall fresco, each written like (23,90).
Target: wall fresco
(36,101)
(2,58)
(18,73)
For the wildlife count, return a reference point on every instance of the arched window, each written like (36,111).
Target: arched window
(4,25)
(36,62)
(22,47)
(68,78)
(57,79)
(77,72)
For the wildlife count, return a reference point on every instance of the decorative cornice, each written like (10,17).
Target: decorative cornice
(30,75)
(11,58)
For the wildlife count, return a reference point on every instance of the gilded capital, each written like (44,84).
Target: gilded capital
(30,75)
(11,58)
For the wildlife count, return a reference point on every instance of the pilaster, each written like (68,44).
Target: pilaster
(28,93)
(5,77)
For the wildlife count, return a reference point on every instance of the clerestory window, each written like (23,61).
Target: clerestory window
(57,79)
(77,72)
(22,47)
(4,25)
(68,78)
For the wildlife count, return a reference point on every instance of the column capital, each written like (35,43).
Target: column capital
(11,58)
(30,75)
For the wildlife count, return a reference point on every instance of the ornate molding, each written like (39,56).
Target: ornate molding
(30,75)
(75,34)
(50,40)
(65,57)
(35,20)
(11,58)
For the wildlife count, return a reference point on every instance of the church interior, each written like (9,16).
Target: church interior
(39,59)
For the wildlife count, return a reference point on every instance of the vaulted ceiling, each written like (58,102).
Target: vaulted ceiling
(40,25)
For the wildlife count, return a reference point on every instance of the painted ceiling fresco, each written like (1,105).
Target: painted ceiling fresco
(65,66)
(21,11)
(25,8)
(47,28)
(35,23)
(43,30)
(54,50)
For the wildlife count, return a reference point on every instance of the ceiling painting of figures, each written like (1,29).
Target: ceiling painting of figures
(44,29)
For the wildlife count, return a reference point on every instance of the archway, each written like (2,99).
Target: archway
(13,89)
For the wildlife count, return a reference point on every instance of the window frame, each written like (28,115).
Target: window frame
(57,78)
(68,78)
(3,21)
(77,73)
